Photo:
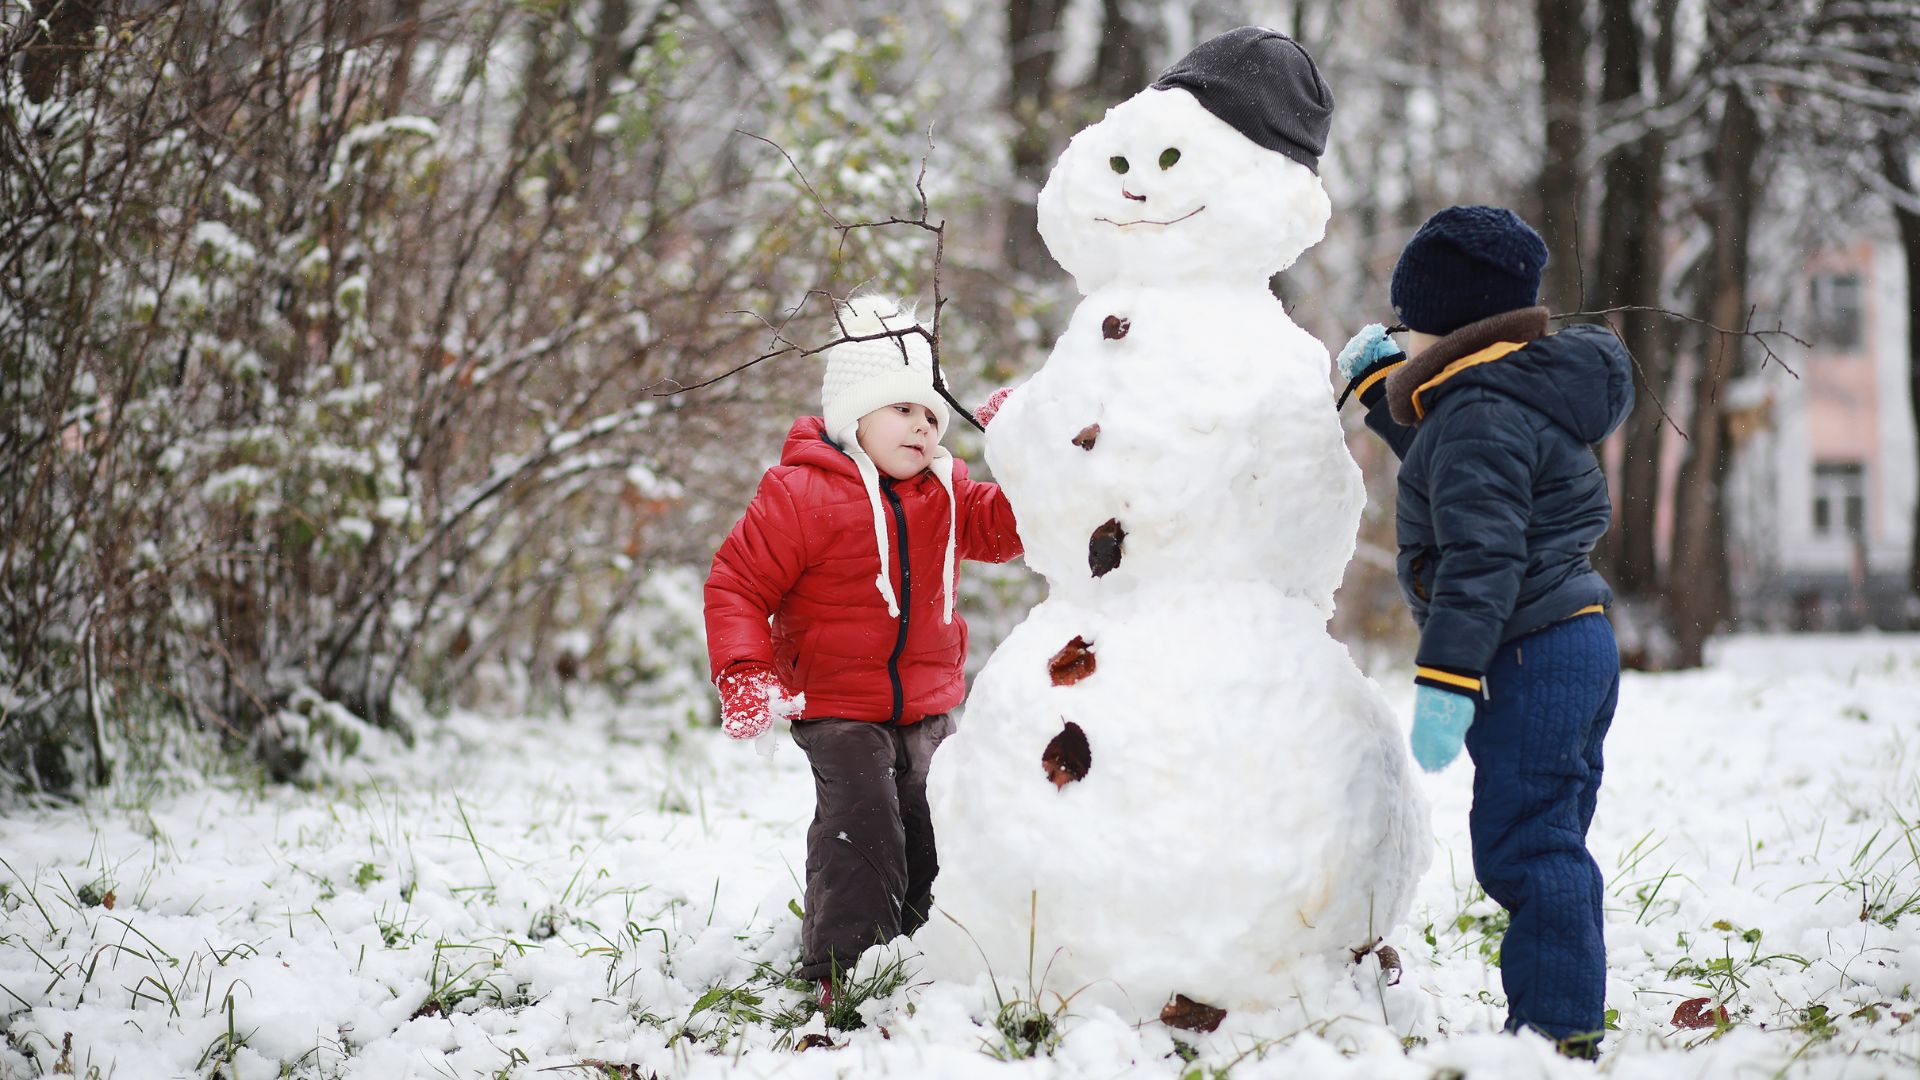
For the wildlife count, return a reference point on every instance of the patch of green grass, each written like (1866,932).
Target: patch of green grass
(1481,929)
(1724,977)
(1816,1021)
(724,1012)
(615,948)
(1648,896)
(849,993)
(1024,1026)
(451,984)
(1883,873)
(1025,1030)
(397,930)
(220,1052)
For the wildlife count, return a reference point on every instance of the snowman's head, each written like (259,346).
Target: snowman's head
(1163,191)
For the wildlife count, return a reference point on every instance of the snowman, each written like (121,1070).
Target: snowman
(1169,778)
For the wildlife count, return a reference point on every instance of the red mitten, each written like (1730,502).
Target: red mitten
(750,697)
(986,413)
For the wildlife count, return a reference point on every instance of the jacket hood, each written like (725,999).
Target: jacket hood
(807,444)
(1581,377)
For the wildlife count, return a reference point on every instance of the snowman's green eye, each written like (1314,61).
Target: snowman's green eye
(1119,164)
(1168,157)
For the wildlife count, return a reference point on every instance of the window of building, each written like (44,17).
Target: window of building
(1839,498)
(1838,312)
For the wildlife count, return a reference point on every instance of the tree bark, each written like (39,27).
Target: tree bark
(1032,49)
(606,62)
(1120,63)
(547,42)
(1898,169)
(1697,581)
(58,41)
(1563,99)
(1628,273)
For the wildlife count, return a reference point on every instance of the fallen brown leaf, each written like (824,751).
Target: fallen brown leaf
(1389,964)
(1189,1015)
(1693,1013)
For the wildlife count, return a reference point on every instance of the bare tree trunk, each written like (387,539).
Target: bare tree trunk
(1628,274)
(547,43)
(1563,95)
(1032,47)
(1697,582)
(1898,169)
(1120,64)
(58,41)
(407,17)
(605,65)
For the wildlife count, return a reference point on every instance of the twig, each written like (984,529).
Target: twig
(1644,381)
(797,171)
(792,349)
(1580,270)
(1758,335)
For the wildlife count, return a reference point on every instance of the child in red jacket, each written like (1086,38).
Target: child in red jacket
(849,548)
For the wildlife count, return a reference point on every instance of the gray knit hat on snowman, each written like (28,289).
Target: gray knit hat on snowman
(866,375)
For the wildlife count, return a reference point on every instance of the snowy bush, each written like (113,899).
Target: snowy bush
(336,349)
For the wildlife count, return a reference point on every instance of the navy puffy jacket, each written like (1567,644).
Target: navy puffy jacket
(1501,498)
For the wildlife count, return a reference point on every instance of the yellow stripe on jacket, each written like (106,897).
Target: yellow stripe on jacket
(1485,356)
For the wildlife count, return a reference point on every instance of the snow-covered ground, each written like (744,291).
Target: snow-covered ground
(614,895)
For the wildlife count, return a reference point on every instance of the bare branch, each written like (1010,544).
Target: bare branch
(794,350)
(1645,381)
(797,171)
(790,348)
(1759,336)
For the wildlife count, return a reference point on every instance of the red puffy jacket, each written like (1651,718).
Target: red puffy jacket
(805,556)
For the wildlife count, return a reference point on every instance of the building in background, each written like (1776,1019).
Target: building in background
(1822,503)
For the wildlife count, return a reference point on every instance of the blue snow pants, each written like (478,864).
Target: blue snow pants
(1535,745)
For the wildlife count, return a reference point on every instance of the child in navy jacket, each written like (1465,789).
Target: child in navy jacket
(1501,500)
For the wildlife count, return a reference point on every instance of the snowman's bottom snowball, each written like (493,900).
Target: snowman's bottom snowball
(1249,804)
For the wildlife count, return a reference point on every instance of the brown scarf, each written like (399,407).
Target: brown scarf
(1522,325)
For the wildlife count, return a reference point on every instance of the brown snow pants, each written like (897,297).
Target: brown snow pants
(870,853)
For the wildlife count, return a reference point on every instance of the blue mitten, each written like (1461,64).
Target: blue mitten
(1440,722)
(1364,350)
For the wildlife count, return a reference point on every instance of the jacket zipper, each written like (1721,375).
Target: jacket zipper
(906,597)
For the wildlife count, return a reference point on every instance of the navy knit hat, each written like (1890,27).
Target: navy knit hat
(1467,263)
(1264,84)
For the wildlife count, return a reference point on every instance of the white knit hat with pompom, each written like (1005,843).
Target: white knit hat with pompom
(866,375)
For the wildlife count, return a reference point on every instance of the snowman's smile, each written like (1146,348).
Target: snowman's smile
(1147,221)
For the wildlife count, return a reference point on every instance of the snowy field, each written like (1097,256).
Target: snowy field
(614,896)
